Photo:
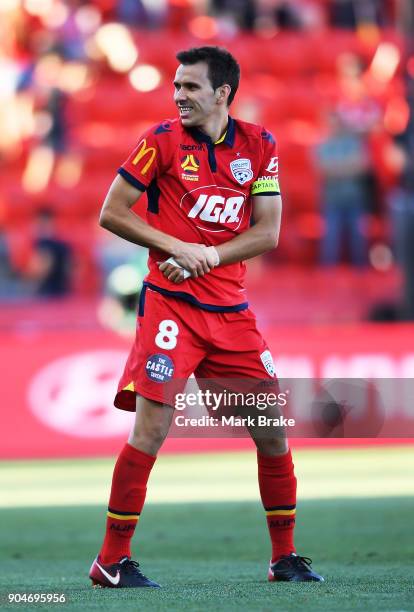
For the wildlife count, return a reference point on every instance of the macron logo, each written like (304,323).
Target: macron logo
(112,579)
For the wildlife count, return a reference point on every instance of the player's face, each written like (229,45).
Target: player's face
(194,95)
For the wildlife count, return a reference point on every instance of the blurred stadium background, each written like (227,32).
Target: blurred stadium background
(333,80)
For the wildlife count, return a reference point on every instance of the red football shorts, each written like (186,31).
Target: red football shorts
(175,339)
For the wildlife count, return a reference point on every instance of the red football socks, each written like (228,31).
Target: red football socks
(277,484)
(129,487)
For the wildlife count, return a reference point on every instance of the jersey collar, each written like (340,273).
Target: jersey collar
(228,139)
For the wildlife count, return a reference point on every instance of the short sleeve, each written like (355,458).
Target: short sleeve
(267,182)
(142,165)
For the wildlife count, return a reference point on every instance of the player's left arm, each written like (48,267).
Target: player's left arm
(261,237)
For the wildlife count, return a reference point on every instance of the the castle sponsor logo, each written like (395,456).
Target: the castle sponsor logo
(241,169)
(214,209)
(144,152)
(159,368)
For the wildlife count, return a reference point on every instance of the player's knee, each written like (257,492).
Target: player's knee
(156,434)
(272,446)
(148,438)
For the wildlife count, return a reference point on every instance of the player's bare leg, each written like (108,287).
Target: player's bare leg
(113,566)
(152,424)
(277,484)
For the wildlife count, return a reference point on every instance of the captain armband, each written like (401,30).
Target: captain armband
(265,185)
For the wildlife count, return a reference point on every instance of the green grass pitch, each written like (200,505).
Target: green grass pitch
(212,555)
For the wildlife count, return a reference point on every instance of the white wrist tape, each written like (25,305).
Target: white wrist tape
(172,261)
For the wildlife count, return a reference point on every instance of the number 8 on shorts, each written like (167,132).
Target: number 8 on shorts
(167,334)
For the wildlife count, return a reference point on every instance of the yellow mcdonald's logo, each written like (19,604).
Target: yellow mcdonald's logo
(190,164)
(143,150)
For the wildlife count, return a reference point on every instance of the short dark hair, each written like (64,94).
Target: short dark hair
(222,66)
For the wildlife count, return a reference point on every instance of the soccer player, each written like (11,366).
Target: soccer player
(206,176)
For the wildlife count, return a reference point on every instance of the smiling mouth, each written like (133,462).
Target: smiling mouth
(185,110)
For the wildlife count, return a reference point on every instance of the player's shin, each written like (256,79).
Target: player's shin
(128,491)
(277,484)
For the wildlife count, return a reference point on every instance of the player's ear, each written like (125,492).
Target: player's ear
(223,93)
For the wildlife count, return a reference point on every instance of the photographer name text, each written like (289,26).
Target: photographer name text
(233,421)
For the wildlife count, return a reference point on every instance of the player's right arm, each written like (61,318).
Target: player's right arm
(117,217)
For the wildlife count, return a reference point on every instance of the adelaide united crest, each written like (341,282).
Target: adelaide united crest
(241,169)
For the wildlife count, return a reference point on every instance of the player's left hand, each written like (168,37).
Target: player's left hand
(175,274)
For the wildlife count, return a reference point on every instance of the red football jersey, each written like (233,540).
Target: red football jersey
(200,191)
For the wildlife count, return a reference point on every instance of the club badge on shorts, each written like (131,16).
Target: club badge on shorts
(159,368)
(241,169)
(267,361)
